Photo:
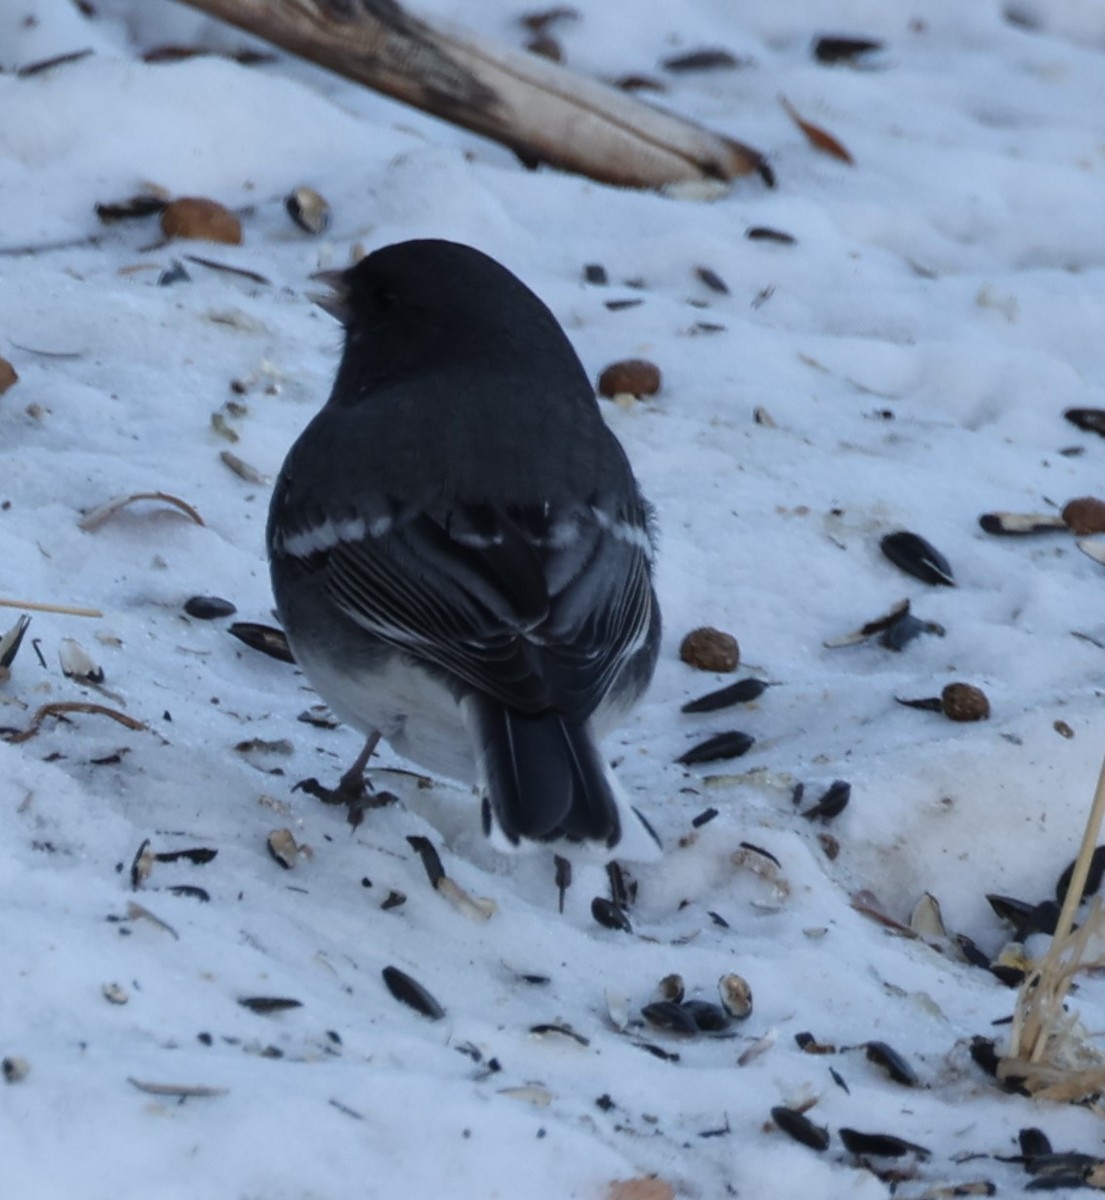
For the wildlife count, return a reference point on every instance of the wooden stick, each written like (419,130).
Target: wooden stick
(68,610)
(1043,990)
(58,708)
(543,112)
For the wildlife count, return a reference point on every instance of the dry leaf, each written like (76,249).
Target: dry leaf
(817,137)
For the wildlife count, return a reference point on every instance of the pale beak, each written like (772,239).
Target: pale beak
(335,300)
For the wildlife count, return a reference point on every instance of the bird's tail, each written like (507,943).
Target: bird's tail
(545,780)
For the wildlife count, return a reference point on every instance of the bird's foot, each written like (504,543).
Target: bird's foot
(353,790)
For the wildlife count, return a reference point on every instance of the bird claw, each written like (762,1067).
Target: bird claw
(353,790)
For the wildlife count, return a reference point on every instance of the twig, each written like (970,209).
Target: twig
(68,610)
(1082,864)
(1039,1022)
(48,64)
(543,112)
(212,265)
(94,518)
(58,708)
(92,239)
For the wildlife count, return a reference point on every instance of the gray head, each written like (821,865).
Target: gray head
(420,305)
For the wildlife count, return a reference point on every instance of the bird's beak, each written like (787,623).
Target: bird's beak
(335,300)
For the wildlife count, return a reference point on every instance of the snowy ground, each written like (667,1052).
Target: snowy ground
(915,348)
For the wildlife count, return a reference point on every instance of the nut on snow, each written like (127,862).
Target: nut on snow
(630,377)
(308,210)
(1086,514)
(201,219)
(710,649)
(964,702)
(8,377)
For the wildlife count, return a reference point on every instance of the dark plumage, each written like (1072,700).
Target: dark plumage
(460,553)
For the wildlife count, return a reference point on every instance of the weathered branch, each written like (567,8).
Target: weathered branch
(544,113)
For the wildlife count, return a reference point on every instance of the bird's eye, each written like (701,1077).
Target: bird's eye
(384,298)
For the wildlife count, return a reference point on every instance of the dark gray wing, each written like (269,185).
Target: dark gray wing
(538,608)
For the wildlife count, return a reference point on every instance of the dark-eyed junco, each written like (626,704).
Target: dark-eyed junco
(460,553)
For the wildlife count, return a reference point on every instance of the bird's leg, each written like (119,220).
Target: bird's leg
(353,783)
(353,790)
(563,877)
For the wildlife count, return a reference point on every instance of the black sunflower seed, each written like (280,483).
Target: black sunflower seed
(712,280)
(1065,1166)
(971,952)
(264,638)
(1093,879)
(709,1017)
(764,233)
(1011,976)
(666,1014)
(892,1063)
(798,1126)
(1010,524)
(810,1045)
(984,1053)
(918,558)
(177,273)
(701,60)
(12,640)
(410,992)
(901,632)
(1033,1142)
(843,49)
(193,892)
(880,1145)
(832,803)
(731,744)
(1026,918)
(207,608)
(431,860)
(623,888)
(268,1004)
(610,915)
(741,692)
(1092,420)
(198,855)
(142,205)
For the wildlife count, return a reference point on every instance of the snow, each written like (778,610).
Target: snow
(915,349)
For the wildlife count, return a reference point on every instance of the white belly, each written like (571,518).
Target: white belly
(416,715)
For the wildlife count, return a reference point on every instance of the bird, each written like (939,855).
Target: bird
(461,555)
